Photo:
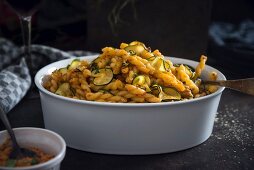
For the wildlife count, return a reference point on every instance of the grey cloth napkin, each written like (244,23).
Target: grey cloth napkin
(14,83)
(15,79)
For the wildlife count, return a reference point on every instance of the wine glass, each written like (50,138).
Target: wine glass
(25,9)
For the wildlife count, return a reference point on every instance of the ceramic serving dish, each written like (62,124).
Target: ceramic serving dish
(122,128)
(46,140)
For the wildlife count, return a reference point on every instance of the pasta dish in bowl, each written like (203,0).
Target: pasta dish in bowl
(130,74)
(129,100)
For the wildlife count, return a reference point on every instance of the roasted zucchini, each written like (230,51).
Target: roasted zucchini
(165,93)
(102,76)
(93,64)
(63,70)
(64,90)
(143,82)
(158,63)
(166,65)
(156,89)
(136,47)
(74,64)
(168,93)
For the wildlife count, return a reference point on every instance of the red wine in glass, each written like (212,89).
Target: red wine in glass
(25,9)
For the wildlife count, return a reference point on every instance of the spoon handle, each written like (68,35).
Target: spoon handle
(9,129)
(242,85)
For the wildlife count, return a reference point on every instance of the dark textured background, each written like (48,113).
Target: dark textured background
(177,28)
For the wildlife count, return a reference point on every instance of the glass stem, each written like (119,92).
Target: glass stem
(26,33)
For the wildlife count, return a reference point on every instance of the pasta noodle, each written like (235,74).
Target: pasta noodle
(200,66)
(186,79)
(131,74)
(212,77)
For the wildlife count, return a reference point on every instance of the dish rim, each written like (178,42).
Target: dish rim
(38,80)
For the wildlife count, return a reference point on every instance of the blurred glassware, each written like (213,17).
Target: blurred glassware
(25,9)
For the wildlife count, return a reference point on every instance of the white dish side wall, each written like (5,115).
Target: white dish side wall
(129,128)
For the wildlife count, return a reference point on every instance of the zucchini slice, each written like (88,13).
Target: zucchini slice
(139,80)
(74,64)
(63,70)
(93,64)
(135,49)
(143,82)
(158,63)
(64,90)
(168,93)
(166,65)
(151,58)
(156,90)
(165,93)
(102,76)
(103,91)
(190,70)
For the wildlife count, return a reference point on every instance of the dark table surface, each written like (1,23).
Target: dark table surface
(231,145)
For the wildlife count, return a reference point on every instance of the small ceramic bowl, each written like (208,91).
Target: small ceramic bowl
(46,140)
(129,128)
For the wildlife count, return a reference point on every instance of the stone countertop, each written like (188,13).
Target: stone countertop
(231,145)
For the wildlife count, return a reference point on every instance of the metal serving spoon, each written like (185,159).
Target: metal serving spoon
(242,85)
(17,151)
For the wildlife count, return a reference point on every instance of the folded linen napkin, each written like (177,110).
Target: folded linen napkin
(15,79)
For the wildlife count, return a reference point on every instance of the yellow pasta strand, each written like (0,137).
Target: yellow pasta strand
(183,76)
(200,66)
